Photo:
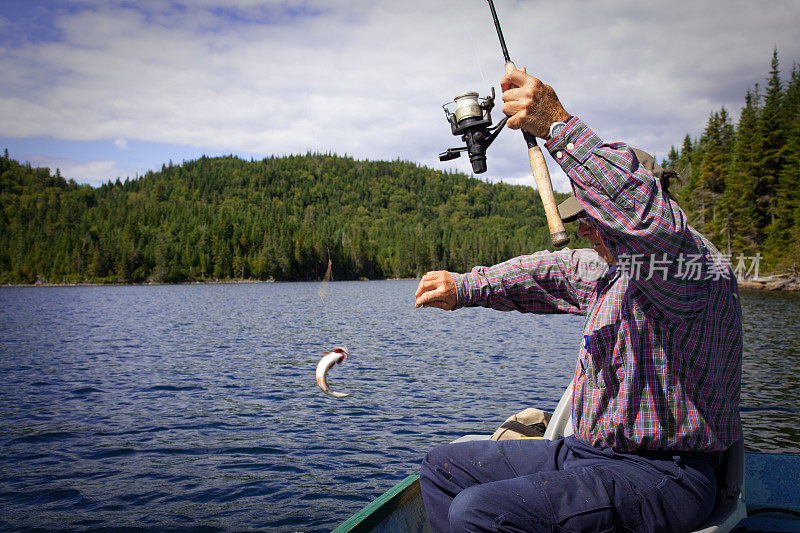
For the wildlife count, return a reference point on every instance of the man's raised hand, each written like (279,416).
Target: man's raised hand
(530,104)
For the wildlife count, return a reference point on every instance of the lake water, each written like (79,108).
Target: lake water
(195,407)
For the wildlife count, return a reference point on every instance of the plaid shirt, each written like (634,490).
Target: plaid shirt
(659,366)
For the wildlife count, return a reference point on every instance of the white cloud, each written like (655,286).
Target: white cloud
(95,172)
(368,78)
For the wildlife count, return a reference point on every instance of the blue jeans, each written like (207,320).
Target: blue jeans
(563,486)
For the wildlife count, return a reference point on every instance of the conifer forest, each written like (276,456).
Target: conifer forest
(282,218)
(742,181)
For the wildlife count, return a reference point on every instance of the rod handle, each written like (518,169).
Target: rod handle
(541,175)
(558,235)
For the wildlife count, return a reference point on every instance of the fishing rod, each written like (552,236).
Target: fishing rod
(471,119)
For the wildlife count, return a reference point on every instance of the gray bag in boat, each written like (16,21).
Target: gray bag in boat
(529,423)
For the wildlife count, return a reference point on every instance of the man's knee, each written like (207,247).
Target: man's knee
(435,462)
(470,510)
(494,508)
(436,455)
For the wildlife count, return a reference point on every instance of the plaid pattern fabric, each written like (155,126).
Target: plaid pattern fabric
(659,364)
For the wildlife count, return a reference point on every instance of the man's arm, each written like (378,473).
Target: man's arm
(638,223)
(544,282)
(647,233)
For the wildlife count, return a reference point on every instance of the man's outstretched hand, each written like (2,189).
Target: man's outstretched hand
(437,289)
(530,104)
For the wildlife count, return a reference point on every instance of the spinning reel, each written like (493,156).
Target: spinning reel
(472,121)
(469,116)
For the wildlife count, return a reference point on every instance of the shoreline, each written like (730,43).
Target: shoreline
(779,282)
(208,282)
(776,283)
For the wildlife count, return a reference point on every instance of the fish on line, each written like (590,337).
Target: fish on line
(336,356)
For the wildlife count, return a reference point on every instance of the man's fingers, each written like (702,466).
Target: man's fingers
(515,93)
(427,283)
(516,114)
(436,289)
(439,304)
(432,299)
(512,78)
(428,298)
(420,288)
(512,108)
(517,78)
(429,292)
(517,102)
(423,284)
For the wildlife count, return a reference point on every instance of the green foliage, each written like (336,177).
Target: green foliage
(280,218)
(742,183)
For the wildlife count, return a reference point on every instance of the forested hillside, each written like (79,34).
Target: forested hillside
(279,218)
(742,181)
(282,218)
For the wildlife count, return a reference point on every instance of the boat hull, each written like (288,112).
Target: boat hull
(398,509)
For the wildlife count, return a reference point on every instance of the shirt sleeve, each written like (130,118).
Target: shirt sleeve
(544,282)
(647,232)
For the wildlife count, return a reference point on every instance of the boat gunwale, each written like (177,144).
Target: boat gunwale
(379,509)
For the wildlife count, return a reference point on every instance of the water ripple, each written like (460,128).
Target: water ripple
(194,408)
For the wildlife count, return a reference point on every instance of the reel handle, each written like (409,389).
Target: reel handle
(541,175)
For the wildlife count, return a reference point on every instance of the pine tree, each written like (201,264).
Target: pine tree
(746,221)
(771,128)
(715,145)
(784,231)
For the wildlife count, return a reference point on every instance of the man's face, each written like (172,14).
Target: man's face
(587,230)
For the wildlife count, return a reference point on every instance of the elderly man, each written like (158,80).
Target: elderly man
(658,374)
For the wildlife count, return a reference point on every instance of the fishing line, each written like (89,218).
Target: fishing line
(323,287)
(477,60)
(338,331)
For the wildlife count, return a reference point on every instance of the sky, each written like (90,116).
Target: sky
(102,89)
